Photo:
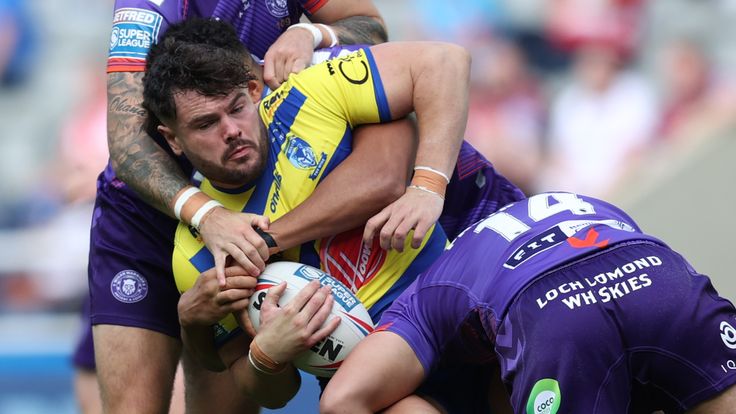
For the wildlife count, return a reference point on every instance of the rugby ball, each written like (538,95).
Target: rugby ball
(324,358)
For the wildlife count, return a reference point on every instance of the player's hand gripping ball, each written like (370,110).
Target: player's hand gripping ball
(324,358)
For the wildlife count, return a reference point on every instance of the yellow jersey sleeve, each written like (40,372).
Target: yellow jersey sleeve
(342,90)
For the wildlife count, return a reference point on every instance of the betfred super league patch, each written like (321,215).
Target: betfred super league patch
(134,31)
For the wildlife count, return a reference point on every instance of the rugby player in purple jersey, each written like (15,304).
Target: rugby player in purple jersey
(583,312)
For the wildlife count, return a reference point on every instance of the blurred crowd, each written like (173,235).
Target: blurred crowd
(560,100)
(566,95)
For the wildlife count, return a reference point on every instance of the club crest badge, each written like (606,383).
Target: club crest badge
(129,286)
(300,154)
(277,8)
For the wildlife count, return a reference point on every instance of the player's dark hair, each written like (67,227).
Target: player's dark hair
(198,55)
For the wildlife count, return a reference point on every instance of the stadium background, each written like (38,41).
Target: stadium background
(52,143)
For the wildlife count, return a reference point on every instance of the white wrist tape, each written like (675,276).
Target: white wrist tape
(197,217)
(316,33)
(183,198)
(333,36)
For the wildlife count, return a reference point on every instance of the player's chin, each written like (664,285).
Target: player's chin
(245,174)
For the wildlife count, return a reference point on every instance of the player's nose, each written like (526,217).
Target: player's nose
(231,130)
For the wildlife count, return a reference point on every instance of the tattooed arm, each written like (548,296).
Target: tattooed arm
(136,158)
(354,21)
(359,30)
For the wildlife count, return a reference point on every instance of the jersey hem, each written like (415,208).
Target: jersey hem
(709,393)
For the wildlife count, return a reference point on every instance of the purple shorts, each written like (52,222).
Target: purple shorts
(632,326)
(130,277)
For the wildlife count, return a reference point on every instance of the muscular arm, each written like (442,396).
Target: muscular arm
(197,340)
(360,30)
(136,158)
(433,80)
(269,390)
(374,175)
(149,170)
(344,200)
(366,384)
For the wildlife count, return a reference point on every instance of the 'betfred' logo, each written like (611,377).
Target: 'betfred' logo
(135,16)
(354,263)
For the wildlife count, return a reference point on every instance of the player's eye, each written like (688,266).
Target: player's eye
(238,109)
(205,125)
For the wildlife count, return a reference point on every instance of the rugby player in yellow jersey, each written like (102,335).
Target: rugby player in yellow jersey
(265,156)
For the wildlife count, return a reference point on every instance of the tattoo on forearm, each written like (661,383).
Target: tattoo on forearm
(120,104)
(360,30)
(137,159)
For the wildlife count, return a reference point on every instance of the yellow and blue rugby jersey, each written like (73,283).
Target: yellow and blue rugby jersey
(309,121)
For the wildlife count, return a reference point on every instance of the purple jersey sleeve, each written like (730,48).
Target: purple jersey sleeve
(416,317)
(136,26)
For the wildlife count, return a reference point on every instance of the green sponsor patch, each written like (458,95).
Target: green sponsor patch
(545,397)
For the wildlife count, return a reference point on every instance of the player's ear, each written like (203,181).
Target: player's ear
(255,89)
(170,136)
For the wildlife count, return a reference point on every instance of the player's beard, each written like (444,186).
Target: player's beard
(235,173)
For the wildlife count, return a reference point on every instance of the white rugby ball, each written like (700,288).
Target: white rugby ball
(324,358)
